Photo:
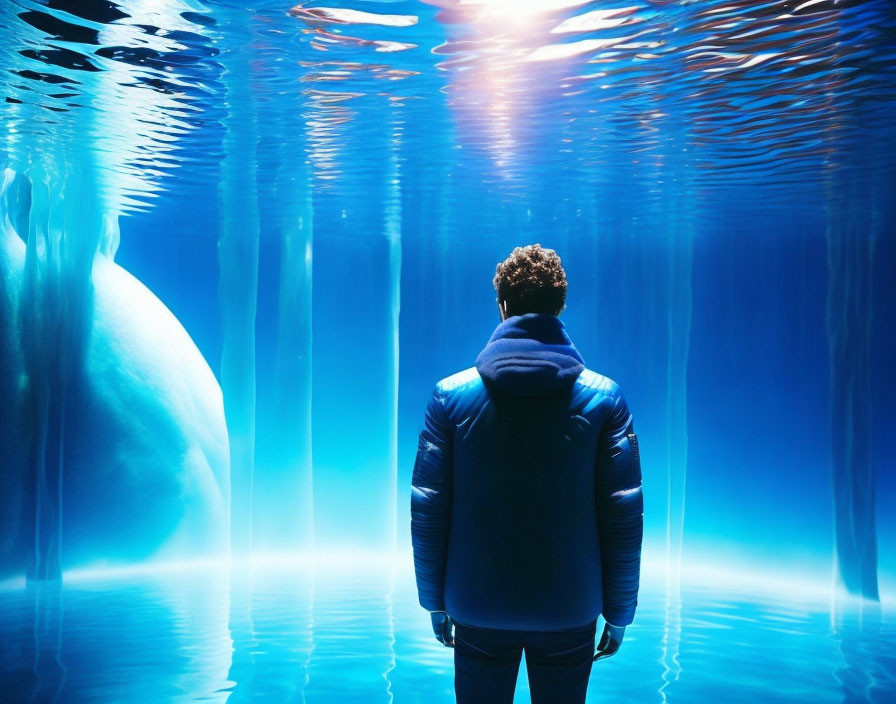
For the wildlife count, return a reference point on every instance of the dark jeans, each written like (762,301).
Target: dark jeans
(487,661)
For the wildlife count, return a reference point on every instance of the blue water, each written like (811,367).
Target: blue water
(292,635)
(240,242)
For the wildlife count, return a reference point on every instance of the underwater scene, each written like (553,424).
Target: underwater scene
(241,242)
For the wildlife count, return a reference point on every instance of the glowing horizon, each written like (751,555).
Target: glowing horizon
(732,576)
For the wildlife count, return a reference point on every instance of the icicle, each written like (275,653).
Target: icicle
(57,303)
(15,204)
(238,282)
(851,234)
(393,235)
(679,336)
(292,449)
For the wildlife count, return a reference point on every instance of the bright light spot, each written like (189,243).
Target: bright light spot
(516,11)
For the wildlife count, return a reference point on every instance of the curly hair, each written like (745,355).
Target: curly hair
(531,280)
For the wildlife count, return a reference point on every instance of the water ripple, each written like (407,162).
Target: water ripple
(667,98)
(293,635)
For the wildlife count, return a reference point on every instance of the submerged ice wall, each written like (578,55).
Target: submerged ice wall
(115,447)
(116,443)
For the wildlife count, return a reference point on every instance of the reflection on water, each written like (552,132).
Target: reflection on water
(358,636)
(867,666)
(671,642)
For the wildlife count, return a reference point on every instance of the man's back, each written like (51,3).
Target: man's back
(523,548)
(528,483)
(526,506)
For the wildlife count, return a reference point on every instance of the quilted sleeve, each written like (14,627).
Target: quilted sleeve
(431,503)
(620,511)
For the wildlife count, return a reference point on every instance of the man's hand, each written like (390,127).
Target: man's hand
(609,641)
(443,627)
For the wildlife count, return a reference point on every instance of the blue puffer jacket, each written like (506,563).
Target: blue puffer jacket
(526,506)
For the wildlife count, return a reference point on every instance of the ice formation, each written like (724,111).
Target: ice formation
(678,320)
(850,246)
(114,441)
(288,451)
(238,284)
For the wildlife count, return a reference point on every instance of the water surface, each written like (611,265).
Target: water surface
(358,636)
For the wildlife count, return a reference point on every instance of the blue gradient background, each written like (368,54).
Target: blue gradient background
(758,474)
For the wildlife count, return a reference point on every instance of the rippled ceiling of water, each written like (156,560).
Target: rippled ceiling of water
(658,95)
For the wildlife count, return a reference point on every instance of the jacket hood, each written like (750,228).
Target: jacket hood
(530,355)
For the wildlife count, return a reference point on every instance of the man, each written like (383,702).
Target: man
(526,506)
